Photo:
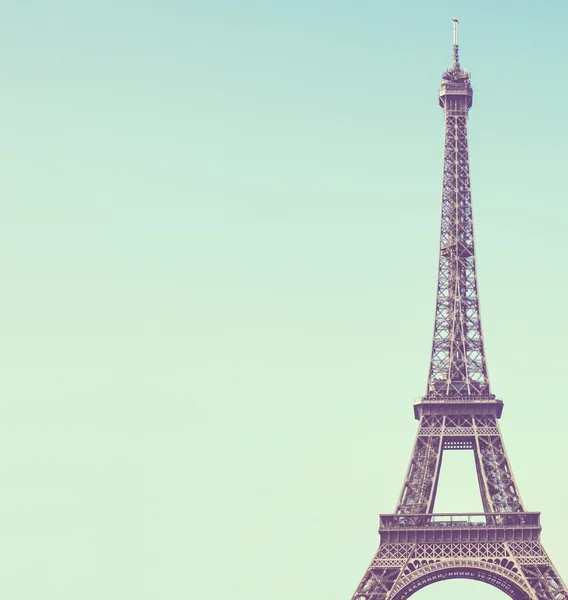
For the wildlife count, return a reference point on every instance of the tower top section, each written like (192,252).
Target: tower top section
(458,382)
(456,92)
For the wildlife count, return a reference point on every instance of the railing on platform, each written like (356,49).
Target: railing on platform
(434,520)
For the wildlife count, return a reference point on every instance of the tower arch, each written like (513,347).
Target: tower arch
(501,574)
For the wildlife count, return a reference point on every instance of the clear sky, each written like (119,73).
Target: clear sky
(219,254)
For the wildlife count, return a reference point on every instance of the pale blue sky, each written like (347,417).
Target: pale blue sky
(219,251)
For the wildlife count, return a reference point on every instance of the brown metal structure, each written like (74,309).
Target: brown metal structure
(458,412)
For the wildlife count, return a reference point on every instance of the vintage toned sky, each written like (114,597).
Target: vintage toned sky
(219,253)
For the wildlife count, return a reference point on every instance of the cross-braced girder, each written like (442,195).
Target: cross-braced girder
(457,366)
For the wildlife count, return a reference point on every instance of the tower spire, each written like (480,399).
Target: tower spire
(456,61)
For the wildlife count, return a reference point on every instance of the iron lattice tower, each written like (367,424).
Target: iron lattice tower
(500,546)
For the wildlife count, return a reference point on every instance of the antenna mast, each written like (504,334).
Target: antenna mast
(456,64)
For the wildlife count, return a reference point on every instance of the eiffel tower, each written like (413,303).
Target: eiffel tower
(500,546)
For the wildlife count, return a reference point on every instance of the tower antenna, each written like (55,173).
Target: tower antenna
(456,63)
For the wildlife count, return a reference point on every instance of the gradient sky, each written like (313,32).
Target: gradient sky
(219,251)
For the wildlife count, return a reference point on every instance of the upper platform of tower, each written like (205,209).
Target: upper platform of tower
(456,91)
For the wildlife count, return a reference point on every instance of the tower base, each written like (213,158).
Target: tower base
(503,550)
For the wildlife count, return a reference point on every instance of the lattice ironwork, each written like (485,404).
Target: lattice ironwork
(457,365)
(498,488)
(520,569)
(501,546)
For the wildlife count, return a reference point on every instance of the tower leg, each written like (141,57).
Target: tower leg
(497,484)
(384,571)
(419,489)
(538,570)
